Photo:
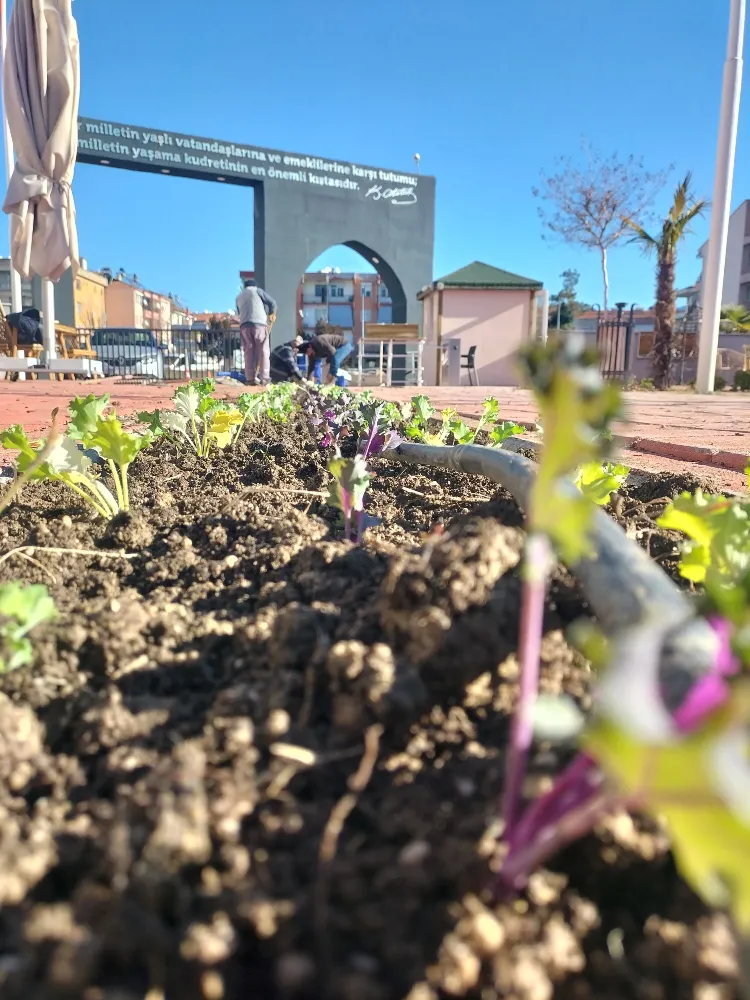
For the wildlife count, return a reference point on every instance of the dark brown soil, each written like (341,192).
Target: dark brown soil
(174,768)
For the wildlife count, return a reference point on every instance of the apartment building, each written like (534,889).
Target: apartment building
(131,305)
(26,290)
(346,300)
(343,299)
(89,300)
(736,288)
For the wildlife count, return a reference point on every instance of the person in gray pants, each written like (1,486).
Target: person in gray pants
(256,308)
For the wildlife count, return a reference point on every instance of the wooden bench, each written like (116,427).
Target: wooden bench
(9,350)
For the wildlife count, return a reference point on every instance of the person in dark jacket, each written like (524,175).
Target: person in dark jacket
(284,367)
(28,327)
(331,347)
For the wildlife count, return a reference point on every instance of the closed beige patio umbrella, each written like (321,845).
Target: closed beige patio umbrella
(41,88)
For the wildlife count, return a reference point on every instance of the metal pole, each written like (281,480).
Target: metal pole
(545,316)
(713,275)
(16,294)
(48,307)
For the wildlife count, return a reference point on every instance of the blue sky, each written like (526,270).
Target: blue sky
(489,92)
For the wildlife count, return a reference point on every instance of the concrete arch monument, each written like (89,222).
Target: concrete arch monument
(303,205)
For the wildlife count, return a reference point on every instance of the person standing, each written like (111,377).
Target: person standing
(256,308)
(331,347)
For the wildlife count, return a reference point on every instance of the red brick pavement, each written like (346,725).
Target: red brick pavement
(710,433)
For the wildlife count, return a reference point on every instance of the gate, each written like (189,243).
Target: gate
(613,342)
(178,354)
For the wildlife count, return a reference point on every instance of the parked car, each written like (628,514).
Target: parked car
(129,352)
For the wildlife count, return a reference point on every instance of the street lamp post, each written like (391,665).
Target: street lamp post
(713,274)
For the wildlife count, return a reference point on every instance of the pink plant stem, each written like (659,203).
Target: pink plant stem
(570,828)
(536,569)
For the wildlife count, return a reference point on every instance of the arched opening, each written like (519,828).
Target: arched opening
(347,286)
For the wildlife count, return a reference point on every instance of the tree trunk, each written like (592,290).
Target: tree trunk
(664,313)
(605,276)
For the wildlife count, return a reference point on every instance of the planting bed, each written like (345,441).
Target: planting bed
(174,767)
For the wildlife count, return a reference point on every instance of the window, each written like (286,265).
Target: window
(337,291)
(645,344)
(746,258)
(724,360)
(745,292)
(320,292)
(4,281)
(366,291)
(384,293)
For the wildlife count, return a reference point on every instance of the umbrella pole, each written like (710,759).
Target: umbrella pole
(16,296)
(48,307)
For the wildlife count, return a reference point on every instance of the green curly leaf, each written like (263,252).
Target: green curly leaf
(717,551)
(85,412)
(599,480)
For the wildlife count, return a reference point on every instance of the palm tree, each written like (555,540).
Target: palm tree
(734,319)
(675,227)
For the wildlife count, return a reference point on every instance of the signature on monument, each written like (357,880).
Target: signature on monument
(396,196)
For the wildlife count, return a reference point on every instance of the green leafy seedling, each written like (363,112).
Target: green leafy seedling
(575,407)
(717,552)
(105,434)
(503,431)
(66,464)
(597,481)
(22,608)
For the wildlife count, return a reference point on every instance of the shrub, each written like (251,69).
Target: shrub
(742,381)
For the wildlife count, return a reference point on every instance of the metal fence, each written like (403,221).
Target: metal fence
(184,353)
(613,340)
(166,355)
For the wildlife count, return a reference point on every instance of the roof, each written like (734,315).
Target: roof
(479,275)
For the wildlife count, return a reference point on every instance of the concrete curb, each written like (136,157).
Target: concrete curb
(696,454)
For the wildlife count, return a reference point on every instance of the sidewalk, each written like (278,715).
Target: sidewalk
(664,430)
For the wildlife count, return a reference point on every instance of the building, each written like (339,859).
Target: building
(125,304)
(484,307)
(26,290)
(89,300)
(343,299)
(129,304)
(179,314)
(79,302)
(736,288)
(347,300)
(204,320)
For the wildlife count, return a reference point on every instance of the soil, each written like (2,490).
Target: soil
(253,761)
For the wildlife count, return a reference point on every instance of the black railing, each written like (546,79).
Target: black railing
(614,340)
(167,355)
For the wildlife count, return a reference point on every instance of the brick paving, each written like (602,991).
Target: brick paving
(709,435)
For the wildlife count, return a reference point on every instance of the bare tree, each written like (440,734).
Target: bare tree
(588,204)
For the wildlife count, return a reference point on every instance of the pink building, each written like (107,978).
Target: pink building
(483,307)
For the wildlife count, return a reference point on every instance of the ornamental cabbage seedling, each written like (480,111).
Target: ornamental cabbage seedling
(347,491)
(66,464)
